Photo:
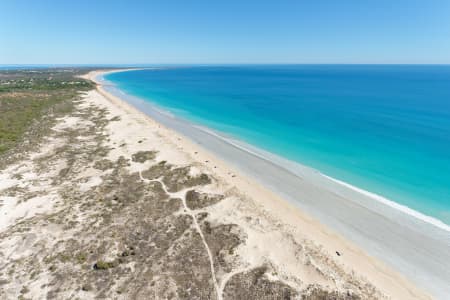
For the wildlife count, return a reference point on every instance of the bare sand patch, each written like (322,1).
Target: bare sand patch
(136,212)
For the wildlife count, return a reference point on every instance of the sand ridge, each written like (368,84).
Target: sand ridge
(134,209)
(288,218)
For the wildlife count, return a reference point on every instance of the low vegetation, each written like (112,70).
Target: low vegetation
(27,95)
(122,222)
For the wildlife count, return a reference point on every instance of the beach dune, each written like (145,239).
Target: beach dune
(114,198)
(372,238)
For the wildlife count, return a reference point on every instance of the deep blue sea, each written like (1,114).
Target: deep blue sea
(382,128)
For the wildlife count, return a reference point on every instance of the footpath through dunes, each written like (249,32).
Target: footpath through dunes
(414,245)
(106,205)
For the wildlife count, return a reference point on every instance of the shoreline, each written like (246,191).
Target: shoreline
(302,170)
(294,166)
(289,210)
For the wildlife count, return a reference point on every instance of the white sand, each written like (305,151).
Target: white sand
(299,249)
(245,172)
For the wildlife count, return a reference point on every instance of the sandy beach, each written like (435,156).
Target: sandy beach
(412,245)
(224,150)
(205,149)
(158,208)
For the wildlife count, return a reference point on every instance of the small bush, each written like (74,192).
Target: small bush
(104,265)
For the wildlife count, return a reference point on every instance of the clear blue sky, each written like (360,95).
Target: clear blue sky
(228,31)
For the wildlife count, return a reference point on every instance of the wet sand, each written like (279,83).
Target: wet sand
(375,239)
(110,204)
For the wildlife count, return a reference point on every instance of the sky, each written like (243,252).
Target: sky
(224,32)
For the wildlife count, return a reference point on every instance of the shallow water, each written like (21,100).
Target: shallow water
(385,129)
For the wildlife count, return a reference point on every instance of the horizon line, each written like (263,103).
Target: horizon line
(208,64)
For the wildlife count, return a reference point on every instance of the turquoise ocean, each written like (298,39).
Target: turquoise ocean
(382,128)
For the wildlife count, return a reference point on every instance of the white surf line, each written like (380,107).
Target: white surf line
(197,227)
(403,208)
(282,163)
(242,146)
